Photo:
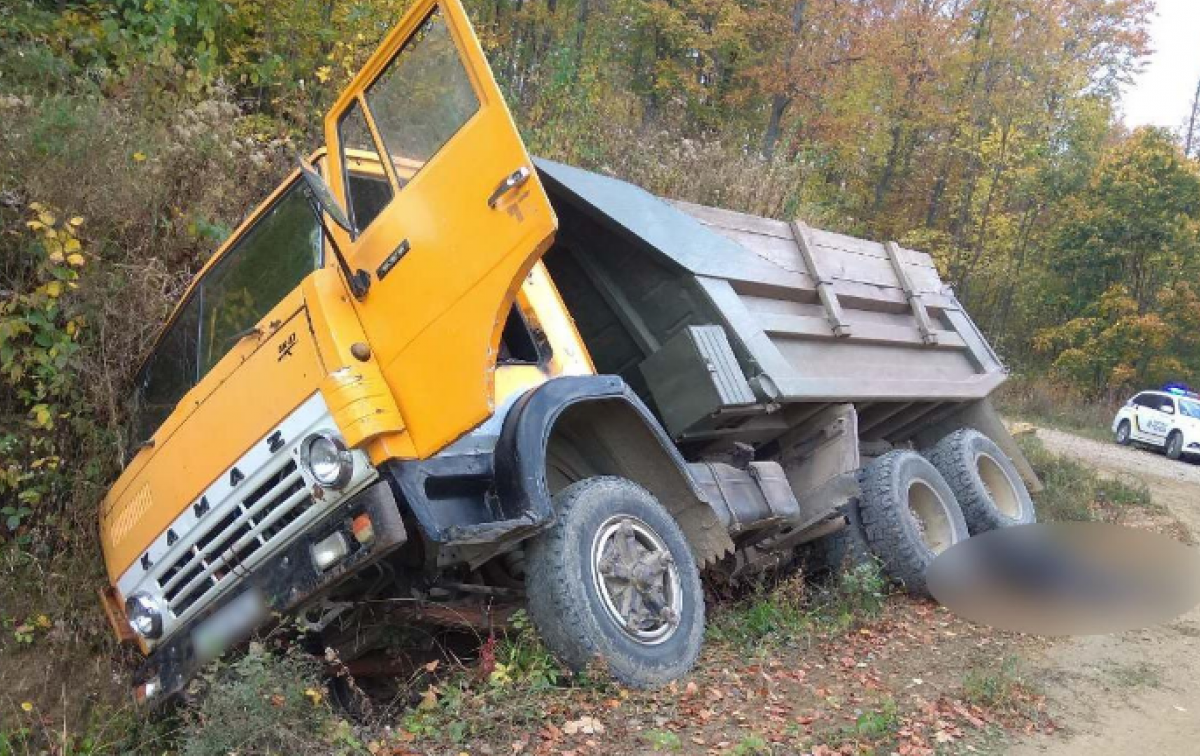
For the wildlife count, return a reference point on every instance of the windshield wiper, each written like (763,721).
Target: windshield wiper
(235,338)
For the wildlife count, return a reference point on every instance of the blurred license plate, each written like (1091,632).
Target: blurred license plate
(229,625)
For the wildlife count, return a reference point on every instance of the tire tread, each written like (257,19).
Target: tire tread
(953,458)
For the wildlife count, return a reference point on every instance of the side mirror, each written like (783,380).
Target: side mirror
(323,203)
(320,194)
(1168,409)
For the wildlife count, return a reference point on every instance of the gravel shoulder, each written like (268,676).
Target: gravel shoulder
(1135,692)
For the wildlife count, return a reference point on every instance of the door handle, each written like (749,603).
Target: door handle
(511,181)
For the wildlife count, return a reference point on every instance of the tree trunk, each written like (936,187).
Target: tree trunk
(780,101)
(779,105)
(1191,128)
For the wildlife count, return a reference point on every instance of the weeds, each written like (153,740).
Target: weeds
(1043,402)
(751,745)
(1140,674)
(1074,492)
(663,740)
(876,724)
(521,659)
(121,731)
(779,613)
(264,703)
(999,686)
(857,596)
(507,688)
(872,731)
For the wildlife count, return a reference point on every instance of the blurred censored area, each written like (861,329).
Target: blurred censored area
(1067,578)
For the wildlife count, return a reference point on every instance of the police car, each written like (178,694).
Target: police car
(1168,419)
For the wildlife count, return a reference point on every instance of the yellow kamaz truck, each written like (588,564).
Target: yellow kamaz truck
(431,374)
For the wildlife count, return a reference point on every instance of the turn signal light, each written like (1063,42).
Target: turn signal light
(363,529)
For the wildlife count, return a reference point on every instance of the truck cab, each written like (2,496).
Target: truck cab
(274,392)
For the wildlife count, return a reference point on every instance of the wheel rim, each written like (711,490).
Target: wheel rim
(636,579)
(999,486)
(1176,445)
(1122,432)
(932,516)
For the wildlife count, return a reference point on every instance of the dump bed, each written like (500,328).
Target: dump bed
(737,326)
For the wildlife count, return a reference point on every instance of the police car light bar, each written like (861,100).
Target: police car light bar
(1180,389)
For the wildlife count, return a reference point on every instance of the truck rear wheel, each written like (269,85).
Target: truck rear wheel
(909,514)
(987,485)
(614,580)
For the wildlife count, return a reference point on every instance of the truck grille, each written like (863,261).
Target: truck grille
(225,545)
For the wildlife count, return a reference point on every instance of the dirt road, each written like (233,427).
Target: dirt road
(1137,692)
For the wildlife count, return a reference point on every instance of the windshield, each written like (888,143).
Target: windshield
(270,260)
(1189,408)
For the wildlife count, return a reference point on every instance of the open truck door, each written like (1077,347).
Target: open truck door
(448,216)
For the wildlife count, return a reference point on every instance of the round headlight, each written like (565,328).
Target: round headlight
(144,615)
(327,460)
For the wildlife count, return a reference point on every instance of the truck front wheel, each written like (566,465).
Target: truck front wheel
(614,581)
(909,514)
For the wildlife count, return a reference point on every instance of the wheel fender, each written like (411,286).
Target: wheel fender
(521,455)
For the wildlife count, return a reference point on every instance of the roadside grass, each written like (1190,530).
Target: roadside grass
(999,686)
(1141,674)
(872,732)
(789,610)
(1041,402)
(1075,492)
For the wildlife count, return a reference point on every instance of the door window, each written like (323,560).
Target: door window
(367,185)
(422,98)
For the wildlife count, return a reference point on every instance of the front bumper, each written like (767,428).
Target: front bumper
(284,582)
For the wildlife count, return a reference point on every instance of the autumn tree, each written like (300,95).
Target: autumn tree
(1135,224)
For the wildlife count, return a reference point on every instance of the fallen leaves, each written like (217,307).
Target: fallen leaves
(888,688)
(585,726)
